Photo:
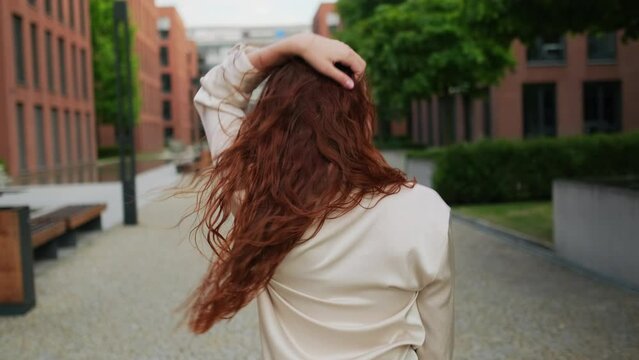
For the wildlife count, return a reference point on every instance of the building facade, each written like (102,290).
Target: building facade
(179,69)
(214,42)
(326,20)
(167,62)
(47,127)
(578,84)
(149,131)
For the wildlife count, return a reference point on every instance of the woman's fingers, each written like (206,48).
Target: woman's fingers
(329,69)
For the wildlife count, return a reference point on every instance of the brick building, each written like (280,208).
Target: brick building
(47,127)
(573,85)
(143,16)
(168,62)
(179,67)
(326,20)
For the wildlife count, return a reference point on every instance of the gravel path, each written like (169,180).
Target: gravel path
(112,298)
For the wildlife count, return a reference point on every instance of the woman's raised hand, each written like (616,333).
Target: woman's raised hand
(319,52)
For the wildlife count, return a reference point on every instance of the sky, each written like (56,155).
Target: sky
(244,12)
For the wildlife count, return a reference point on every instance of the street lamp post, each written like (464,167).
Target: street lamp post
(125,123)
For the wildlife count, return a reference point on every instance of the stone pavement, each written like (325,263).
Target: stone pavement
(113,296)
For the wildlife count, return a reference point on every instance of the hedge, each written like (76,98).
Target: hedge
(502,170)
(108,151)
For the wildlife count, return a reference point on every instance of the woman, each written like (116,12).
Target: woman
(347,258)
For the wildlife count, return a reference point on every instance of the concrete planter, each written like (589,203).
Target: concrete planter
(597,226)
(422,169)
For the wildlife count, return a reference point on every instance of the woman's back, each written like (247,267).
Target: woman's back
(348,258)
(351,291)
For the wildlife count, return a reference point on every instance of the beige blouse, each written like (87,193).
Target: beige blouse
(372,284)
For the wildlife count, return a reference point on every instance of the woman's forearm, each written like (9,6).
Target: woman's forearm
(271,55)
(319,52)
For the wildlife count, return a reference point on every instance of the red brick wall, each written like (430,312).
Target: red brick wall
(81,146)
(506,99)
(181,67)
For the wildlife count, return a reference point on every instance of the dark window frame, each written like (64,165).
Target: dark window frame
(21,137)
(538,52)
(48,48)
(48,7)
(62,66)
(602,106)
(71,4)
(60,11)
(78,139)
(595,44)
(38,119)
(35,56)
(55,135)
(18,49)
(167,111)
(74,71)
(539,107)
(164,55)
(166,83)
(67,128)
(84,74)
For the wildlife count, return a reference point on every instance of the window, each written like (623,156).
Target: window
(468,117)
(602,47)
(332,21)
(63,69)
(32,2)
(547,51)
(22,146)
(35,56)
(60,11)
(602,106)
(71,14)
(166,110)
(540,114)
(74,71)
(18,50)
(78,137)
(166,83)
(488,125)
(168,134)
(90,137)
(164,27)
(39,128)
(447,120)
(55,134)
(49,56)
(82,18)
(47,7)
(85,84)
(68,142)
(164,56)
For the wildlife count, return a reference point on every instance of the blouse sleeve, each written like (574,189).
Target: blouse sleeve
(223,97)
(435,304)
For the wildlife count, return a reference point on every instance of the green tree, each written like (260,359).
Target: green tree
(104,80)
(506,20)
(418,48)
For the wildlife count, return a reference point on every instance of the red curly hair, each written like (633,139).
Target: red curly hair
(303,155)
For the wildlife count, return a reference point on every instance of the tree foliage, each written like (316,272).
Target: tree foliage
(104,79)
(506,20)
(418,48)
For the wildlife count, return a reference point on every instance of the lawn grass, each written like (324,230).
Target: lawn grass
(530,218)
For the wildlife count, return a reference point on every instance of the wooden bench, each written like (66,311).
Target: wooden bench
(22,237)
(71,219)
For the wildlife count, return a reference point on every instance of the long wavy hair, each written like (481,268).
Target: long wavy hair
(303,155)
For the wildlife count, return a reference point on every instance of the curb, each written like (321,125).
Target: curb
(535,247)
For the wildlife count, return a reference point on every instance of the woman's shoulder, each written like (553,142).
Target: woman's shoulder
(418,198)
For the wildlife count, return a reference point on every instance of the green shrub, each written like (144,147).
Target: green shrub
(396,143)
(502,170)
(108,151)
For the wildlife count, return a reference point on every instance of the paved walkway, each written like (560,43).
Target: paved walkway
(112,298)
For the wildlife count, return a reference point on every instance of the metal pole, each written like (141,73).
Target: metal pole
(125,116)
